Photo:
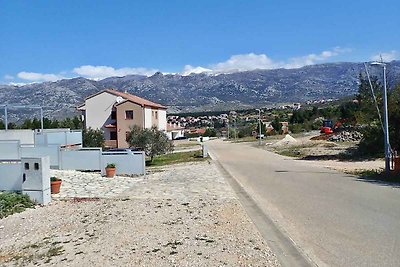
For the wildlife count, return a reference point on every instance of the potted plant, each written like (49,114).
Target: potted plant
(110,170)
(55,184)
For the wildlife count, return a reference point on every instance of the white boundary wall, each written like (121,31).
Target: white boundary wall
(128,162)
(80,159)
(24,136)
(10,175)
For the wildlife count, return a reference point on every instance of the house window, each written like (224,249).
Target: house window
(128,114)
(113,135)
(156,112)
(113,115)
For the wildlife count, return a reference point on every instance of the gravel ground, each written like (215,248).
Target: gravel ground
(182,215)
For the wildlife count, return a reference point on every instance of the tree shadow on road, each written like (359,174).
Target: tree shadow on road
(377,177)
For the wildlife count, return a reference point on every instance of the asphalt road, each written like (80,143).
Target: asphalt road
(334,219)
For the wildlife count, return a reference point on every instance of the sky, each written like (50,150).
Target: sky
(51,40)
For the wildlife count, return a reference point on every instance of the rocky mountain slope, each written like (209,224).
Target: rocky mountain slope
(198,92)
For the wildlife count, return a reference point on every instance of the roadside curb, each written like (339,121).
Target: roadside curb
(284,248)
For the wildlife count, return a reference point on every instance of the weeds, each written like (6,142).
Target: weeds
(11,203)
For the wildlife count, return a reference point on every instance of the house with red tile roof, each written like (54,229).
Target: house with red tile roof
(115,112)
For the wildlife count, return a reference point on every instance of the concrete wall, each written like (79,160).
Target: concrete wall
(58,137)
(98,110)
(162,119)
(24,136)
(10,176)
(9,150)
(124,125)
(147,117)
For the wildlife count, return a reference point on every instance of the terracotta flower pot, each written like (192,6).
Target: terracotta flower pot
(55,186)
(110,172)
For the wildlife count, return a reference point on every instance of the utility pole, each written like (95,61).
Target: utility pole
(228,128)
(259,126)
(6,117)
(385,119)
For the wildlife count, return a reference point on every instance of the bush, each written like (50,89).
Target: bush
(152,141)
(11,203)
(93,138)
(372,142)
(210,132)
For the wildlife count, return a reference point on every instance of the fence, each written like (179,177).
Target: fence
(127,161)
(80,159)
(58,137)
(35,151)
(9,150)
(10,175)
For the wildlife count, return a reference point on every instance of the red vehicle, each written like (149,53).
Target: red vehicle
(327,126)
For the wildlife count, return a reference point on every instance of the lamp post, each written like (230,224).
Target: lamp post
(259,126)
(385,119)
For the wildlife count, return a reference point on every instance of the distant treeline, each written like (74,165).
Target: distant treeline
(72,123)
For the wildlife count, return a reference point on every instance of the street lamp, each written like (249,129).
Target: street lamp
(259,126)
(386,122)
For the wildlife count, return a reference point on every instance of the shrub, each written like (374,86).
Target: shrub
(110,165)
(152,141)
(11,203)
(93,138)
(54,179)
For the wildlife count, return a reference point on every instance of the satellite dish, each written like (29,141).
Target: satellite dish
(119,99)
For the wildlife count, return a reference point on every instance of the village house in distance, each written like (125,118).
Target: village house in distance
(114,112)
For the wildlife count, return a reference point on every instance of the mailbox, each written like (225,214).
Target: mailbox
(36,179)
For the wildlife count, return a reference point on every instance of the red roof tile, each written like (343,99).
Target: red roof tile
(135,99)
(128,97)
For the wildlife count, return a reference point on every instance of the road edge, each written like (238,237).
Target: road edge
(284,248)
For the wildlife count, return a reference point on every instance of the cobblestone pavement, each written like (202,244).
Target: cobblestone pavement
(92,184)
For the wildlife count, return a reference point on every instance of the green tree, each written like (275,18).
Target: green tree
(276,123)
(92,138)
(367,112)
(152,141)
(211,132)
(77,123)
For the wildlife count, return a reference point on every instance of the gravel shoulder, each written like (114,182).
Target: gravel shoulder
(321,153)
(181,215)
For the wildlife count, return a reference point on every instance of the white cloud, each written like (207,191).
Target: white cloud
(244,62)
(101,72)
(386,56)
(241,62)
(311,59)
(188,69)
(251,61)
(39,77)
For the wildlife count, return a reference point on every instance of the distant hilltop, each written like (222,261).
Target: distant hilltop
(201,92)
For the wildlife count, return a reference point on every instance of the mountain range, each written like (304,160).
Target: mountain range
(201,92)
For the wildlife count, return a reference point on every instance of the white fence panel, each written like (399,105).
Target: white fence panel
(24,136)
(9,150)
(53,151)
(126,162)
(58,137)
(74,137)
(10,176)
(80,159)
